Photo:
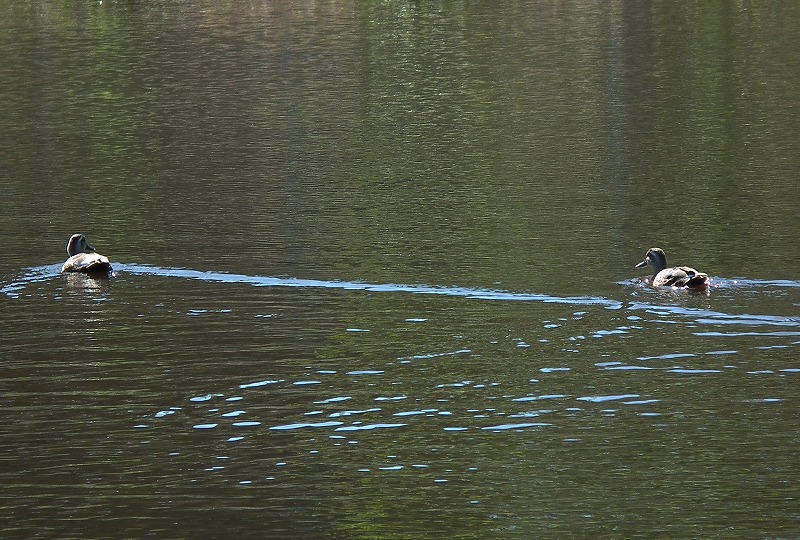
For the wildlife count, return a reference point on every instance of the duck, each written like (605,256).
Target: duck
(83,258)
(677,276)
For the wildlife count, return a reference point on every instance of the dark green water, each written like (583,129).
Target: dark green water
(374,270)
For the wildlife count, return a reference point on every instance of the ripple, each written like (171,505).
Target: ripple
(260,383)
(205,397)
(544,396)
(416,413)
(627,368)
(603,399)
(693,371)
(197,312)
(506,427)
(434,355)
(333,400)
(43,273)
(617,331)
(667,356)
(705,316)
(744,334)
(305,425)
(351,413)
(368,427)
(454,385)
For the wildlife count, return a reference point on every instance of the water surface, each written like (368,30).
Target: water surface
(374,270)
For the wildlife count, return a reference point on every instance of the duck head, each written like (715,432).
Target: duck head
(655,259)
(78,244)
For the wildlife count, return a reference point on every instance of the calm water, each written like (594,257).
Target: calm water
(374,270)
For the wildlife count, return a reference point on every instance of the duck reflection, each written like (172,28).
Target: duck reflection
(95,282)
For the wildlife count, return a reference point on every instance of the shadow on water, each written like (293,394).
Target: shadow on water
(47,272)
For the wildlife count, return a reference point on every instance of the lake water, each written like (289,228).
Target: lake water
(374,270)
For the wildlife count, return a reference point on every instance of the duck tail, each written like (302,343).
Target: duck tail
(698,281)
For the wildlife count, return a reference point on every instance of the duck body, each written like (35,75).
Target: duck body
(83,258)
(677,276)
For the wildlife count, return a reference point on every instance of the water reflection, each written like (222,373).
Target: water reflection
(88,282)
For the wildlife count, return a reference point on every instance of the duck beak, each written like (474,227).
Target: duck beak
(641,264)
(89,249)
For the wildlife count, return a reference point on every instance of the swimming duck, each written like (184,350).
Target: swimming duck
(677,276)
(83,258)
